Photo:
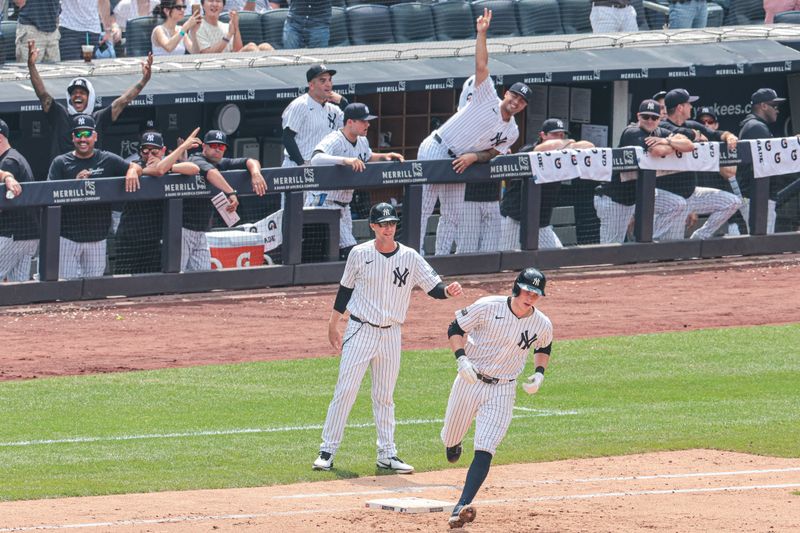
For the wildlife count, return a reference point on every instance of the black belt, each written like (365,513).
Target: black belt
(618,5)
(682,1)
(439,140)
(356,319)
(341,204)
(491,381)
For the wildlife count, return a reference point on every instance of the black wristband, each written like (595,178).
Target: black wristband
(540,370)
(232,193)
(460,352)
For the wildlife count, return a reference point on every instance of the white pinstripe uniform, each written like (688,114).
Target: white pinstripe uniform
(311,121)
(381,294)
(335,143)
(497,345)
(475,127)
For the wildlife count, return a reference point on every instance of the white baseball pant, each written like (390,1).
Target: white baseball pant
(81,259)
(606,19)
(479,227)
(720,205)
(491,406)
(772,215)
(451,201)
(346,238)
(195,254)
(614,219)
(669,213)
(509,239)
(16,258)
(376,348)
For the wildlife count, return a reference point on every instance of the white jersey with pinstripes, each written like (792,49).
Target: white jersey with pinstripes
(479,125)
(497,341)
(382,285)
(335,143)
(311,121)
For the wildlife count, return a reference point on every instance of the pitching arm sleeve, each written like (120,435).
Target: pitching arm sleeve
(343,103)
(439,291)
(342,298)
(291,146)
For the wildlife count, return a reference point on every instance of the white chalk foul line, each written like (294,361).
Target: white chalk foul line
(327,511)
(243,431)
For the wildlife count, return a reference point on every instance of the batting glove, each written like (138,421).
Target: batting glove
(534,382)
(466,370)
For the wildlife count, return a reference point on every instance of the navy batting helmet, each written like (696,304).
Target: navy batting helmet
(531,280)
(382,212)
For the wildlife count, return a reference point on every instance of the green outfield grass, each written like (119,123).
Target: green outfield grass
(259,423)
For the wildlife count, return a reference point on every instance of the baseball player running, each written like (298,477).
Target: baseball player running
(347,146)
(615,201)
(491,339)
(376,290)
(476,133)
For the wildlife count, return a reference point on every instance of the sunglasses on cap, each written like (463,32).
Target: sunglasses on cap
(82,134)
(217,146)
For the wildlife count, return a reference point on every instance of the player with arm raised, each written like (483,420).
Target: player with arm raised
(476,133)
(491,339)
(376,290)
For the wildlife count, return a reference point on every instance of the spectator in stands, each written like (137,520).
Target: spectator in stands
(80,100)
(170,39)
(764,112)
(197,212)
(38,21)
(680,188)
(553,136)
(19,228)
(259,6)
(736,224)
(773,7)
(615,201)
(84,227)
(347,146)
(126,10)
(214,37)
(659,97)
(308,24)
(80,24)
(140,229)
(688,14)
(613,16)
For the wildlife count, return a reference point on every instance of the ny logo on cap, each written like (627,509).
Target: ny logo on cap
(651,106)
(524,89)
(387,212)
(81,121)
(218,135)
(366,110)
(150,137)
(560,124)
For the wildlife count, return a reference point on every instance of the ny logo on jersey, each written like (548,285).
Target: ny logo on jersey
(498,139)
(332,121)
(524,341)
(400,279)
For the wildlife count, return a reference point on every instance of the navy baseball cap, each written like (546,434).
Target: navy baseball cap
(383,212)
(216,137)
(521,89)
(763,96)
(357,111)
(552,125)
(659,95)
(706,111)
(83,122)
(317,70)
(152,138)
(650,107)
(78,83)
(3,128)
(676,97)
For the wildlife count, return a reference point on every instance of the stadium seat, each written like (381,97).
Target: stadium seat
(453,21)
(338,28)
(250,27)
(369,24)
(745,12)
(412,22)
(575,15)
(504,17)
(716,15)
(539,17)
(137,35)
(787,17)
(8,52)
(272,27)
(641,17)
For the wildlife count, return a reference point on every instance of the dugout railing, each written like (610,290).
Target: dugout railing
(411,175)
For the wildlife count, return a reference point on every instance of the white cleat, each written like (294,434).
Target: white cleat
(396,464)
(323,462)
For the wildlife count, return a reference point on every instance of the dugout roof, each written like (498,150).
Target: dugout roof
(184,83)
